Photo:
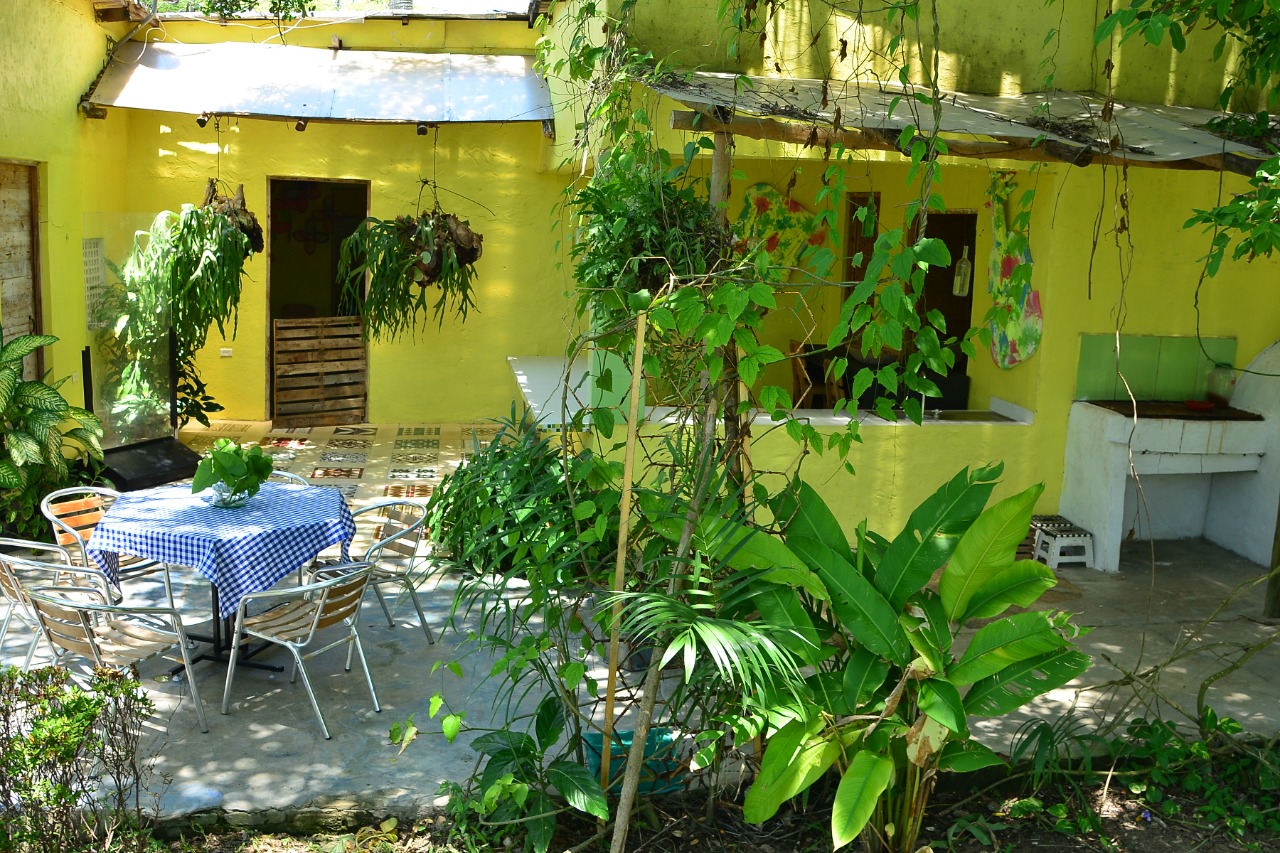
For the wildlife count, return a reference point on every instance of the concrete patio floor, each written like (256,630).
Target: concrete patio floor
(266,764)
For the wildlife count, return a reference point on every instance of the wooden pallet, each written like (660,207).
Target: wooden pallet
(320,372)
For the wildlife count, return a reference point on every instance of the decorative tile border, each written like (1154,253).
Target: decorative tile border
(355,430)
(419,430)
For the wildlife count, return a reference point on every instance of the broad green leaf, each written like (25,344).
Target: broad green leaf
(22,346)
(9,379)
(584,509)
(450,726)
(941,700)
(579,787)
(548,721)
(864,780)
(828,692)
(989,545)
(964,756)
(796,767)
(804,513)
(1005,641)
(931,534)
(933,252)
(37,395)
(204,476)
(863,676)
(782,608)
(861,609)
(10,476)
(541,821)
(1020,682)
(494,742)
(23,449)
(1022,584)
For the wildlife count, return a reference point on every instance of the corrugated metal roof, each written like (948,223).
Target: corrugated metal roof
(1069,126)
(321,84)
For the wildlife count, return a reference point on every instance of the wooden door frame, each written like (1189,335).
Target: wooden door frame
(269,343)
(37,257)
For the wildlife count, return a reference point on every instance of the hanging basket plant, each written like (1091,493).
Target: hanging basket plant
(413,264)
(233,207)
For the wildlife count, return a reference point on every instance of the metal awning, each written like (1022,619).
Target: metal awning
(1076,128)
(282,81)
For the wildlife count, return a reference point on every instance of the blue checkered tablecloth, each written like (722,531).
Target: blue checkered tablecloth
(239,549)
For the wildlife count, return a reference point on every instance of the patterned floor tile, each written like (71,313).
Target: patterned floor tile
(418,430)
(355,430)
(350,443)
(291,442)
(229,426)
(291,431)
(413,473)
(417,444)
(410,490)
(415,459)
(345,458)
(337,473)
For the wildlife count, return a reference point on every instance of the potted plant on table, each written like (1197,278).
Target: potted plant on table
(235,473)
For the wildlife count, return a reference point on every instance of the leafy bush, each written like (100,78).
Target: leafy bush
(69,771)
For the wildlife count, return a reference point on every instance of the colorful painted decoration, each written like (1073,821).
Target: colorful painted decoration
(782,224)
(1017,319)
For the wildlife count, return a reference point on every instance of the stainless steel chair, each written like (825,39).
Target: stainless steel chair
(289,477)
(294,617)
(39,564)
(396,552)
(75,512)
(79,622)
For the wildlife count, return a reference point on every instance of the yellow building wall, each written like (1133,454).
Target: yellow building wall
(53,51)
(983,47)
(487,174)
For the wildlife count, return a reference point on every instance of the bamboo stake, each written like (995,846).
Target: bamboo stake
(619,569)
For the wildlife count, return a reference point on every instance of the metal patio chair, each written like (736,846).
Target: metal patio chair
(289,477)
(75,512)
(294,617)
(79,622)
(40,564)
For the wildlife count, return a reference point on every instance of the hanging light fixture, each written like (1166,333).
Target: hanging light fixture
(964,275)
(202,119)
(300,125)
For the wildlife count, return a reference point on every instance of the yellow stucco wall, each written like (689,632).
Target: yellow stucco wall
(52,53)
(488,174)
(984,48)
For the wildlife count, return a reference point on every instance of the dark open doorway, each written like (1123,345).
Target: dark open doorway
(318,373)
(959,231)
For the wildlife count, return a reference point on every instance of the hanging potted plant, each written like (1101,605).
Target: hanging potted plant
(412,264)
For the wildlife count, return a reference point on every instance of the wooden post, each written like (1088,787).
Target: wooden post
(620,564)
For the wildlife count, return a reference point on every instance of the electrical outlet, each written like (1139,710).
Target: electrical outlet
(225,352)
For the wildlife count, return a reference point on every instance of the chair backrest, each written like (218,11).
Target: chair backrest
(339,590)
(289,477)
(20,574)
(31,555)
(400,526)
(66,622)
(75,512)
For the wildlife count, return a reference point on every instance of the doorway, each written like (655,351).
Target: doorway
(19,264)
(959,231)
(319,371)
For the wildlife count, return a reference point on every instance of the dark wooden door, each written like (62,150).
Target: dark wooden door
(19,259)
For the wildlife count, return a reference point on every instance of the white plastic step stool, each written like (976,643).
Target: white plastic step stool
(1059,541)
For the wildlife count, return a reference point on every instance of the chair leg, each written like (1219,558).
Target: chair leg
(368,679)
(31,650)
(311,694)
(417,605)
(231,664)
(382,600)
(191,680)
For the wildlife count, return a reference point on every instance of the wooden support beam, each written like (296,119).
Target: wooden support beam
(1006,147)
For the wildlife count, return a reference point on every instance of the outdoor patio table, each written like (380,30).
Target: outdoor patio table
(239,549)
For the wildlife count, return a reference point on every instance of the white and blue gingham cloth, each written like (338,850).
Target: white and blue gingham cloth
(239,549)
